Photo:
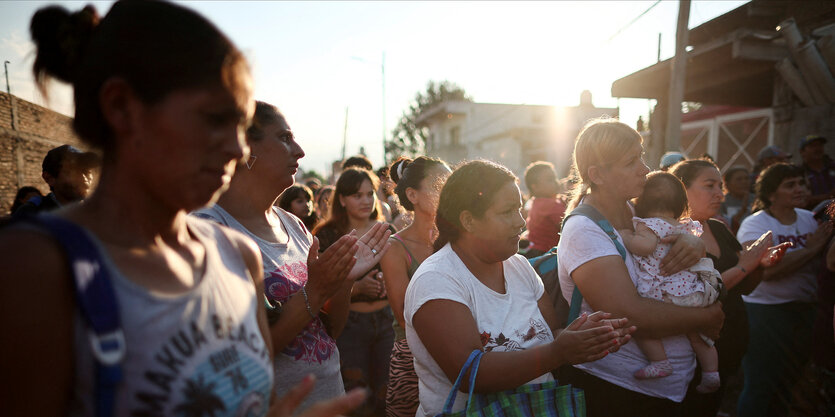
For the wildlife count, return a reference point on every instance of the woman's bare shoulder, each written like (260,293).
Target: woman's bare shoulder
(25,251)
(37,303)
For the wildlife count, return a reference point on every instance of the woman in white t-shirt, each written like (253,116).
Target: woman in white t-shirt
(474,292)
(608,159)
(781,309)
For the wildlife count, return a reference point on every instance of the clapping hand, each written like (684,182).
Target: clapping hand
(370,249)
(600,318)
(578,345)
(371,285)
(774,254)
(327,271)
(753,255)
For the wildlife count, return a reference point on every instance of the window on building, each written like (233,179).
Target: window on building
(455,136)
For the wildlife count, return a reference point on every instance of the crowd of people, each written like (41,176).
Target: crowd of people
(181,269)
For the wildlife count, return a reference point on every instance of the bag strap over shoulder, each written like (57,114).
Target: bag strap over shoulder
(97,303)
(587,210)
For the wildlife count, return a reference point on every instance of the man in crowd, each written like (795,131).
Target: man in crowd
(767,157)
(69,173)
(818,169)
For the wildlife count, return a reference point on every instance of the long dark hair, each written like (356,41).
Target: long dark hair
(408,173)
(349,182)
(293,192)
(688,170)
(471,187)
(155,46)
(769,181)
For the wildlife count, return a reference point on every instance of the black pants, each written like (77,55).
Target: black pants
(604,399)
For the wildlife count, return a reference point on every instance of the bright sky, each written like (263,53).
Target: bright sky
(314,59)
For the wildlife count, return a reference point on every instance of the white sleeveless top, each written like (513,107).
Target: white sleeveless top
(198,353)
(313,350)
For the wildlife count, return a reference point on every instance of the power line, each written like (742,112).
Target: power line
(633,21)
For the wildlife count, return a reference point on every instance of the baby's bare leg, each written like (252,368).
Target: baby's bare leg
(659,366)
(708,360)
(652,348)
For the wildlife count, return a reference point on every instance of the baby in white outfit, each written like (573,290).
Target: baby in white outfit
(660,209)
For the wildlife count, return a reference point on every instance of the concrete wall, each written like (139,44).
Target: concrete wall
(25,141)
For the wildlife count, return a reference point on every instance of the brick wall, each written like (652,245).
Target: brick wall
(24,143)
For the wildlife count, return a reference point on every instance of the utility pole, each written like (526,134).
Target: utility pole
(345,134)
(383,77)
(658,51)
(672,137)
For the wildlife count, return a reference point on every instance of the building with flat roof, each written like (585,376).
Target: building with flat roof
(513,135)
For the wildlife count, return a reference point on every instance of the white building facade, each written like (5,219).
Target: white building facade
(513,135)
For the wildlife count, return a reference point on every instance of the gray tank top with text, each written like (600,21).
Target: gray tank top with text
(197,353)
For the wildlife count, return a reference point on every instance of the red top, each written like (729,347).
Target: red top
(544,220)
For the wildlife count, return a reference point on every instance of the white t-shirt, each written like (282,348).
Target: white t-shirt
(798,286)
(582,241)
(313,351)
(507,322)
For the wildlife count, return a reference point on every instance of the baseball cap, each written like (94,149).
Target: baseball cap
(55,158)
(809,139)
(671,158)
(772,152)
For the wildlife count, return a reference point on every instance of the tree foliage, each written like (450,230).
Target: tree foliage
(409,139)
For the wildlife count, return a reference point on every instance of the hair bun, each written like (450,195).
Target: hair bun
(398,168)
(61,38)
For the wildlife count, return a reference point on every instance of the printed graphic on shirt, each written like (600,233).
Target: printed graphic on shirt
(501,343)
(313,343)
(222,370)
(799,241)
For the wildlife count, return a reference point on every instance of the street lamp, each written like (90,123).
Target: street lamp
(383,89)
(6,67)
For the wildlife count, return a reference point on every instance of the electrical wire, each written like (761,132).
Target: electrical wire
(633,21)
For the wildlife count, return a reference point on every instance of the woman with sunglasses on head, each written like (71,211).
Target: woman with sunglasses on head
(308,292)
(176,294)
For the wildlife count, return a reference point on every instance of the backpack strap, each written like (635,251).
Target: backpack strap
(97,303)
(587,210)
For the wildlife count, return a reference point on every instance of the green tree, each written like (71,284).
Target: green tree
(409,139)
(312,173)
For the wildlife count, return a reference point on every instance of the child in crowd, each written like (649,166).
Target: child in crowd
(298,199)
(546,210)
(659,210)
